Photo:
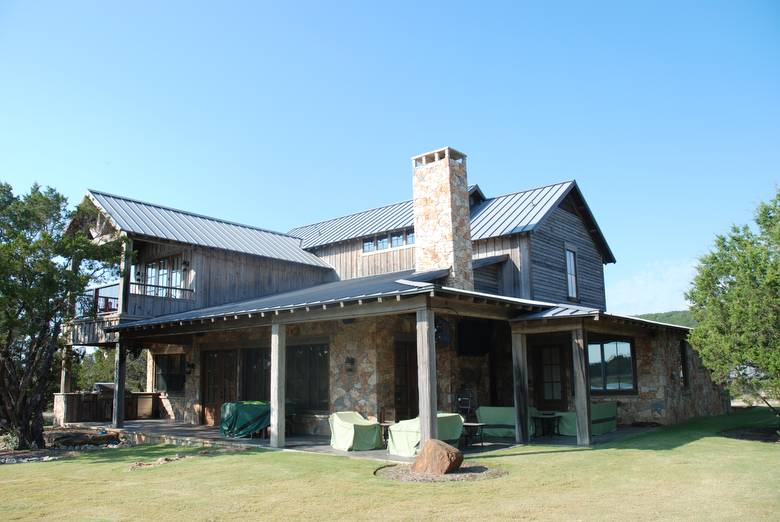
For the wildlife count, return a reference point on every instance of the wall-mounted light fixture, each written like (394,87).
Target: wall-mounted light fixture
(349,364)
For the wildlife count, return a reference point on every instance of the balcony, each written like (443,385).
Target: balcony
(98,308)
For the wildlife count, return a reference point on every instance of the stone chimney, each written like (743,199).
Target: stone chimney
(442,224)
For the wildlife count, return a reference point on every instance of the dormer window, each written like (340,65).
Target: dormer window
(388,240)
(571,273)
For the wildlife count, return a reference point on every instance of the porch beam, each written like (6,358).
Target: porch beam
(581,388)
(542,326)
(520,378)
(278,367)
(426,374)
(120,363)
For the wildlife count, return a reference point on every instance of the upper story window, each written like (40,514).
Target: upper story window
(571,273)
(611,365)
(391,240)
(164,277)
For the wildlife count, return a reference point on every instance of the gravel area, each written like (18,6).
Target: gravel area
(467,472)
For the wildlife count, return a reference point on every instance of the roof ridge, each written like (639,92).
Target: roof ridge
(189,213)
(410,200)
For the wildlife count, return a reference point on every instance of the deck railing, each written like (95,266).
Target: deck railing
(104,300)
(171,292)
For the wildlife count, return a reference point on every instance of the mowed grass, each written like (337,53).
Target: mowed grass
(682,472)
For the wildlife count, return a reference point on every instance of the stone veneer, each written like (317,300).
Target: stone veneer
(661,397)
(442,223)
(370,387)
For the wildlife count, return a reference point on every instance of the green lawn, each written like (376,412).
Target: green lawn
(687,471)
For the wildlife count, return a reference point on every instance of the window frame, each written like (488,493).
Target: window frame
(685,371)
(183,362)
(606,339)
(386,239)
(174,269)
(571,249)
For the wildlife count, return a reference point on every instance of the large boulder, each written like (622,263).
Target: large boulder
(437,458)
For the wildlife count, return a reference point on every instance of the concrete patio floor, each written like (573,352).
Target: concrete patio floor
(162,431)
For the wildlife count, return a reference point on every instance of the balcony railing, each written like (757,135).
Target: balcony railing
(104,300)
(171,292)
(98,301)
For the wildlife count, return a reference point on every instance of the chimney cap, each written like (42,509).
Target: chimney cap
(438,154)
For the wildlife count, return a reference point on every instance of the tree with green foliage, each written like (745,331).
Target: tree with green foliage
(41,268)
(678,317)
(98,366)
(735,299)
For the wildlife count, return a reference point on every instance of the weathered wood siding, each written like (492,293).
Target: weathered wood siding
(349,261)
(487,279)
(218,277)
(513,276)
(548,261)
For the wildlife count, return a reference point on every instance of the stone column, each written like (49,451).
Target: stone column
(278,367)
(426,374)
(120,361)
(581,387)
(520,378)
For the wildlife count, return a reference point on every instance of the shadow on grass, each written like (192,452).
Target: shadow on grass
(144,452)
(661,439)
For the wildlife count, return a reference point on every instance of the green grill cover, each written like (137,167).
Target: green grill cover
(350,431)
(404,436)
(243,418)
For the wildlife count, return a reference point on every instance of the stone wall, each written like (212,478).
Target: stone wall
(661,397)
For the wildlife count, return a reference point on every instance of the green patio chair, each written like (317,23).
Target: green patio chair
(404,437)
(603,419)
(350,431)
(500,421)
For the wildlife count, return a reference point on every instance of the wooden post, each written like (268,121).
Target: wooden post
(581,388)
(65,375)
(125,269)
(520,378)
(120,360)
(426,374)
(278,366)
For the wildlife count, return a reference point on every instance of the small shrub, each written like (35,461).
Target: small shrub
(9,441)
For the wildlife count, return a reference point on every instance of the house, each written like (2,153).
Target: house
(452,297)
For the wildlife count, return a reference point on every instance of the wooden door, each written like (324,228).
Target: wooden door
(407,404)
(219,382)
(549,381)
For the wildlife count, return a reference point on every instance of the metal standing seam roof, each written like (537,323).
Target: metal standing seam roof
(147,219)
(397,283)
(502,215)
(563,311)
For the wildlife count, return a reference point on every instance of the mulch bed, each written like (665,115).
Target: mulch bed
(760,434)
(467,472)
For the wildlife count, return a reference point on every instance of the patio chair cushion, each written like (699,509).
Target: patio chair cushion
(243,418)
(500,421)
(404,437)
(603,419)
(350,431)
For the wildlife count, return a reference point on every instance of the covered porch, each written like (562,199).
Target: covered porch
(391,347)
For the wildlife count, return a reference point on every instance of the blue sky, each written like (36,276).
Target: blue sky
(281,114)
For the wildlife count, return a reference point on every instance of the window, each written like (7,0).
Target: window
(684,378)
(381,243)
(164,277)
(169,371)
(368,245)
(571,274)
(410,237)
(611,365)
(307,381)
(397,239)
